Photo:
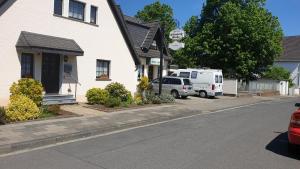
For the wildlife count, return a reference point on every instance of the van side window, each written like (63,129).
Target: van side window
(220,79)
(216,79)
(175,81)
(194,75)
(184,74)
(166,81)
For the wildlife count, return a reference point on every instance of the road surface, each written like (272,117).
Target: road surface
(251,137)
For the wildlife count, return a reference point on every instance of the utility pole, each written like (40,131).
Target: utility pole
(161,66)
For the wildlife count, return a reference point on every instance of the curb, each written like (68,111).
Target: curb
(31,144)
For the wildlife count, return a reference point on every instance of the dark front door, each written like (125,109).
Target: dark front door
(150,72)
(50,72)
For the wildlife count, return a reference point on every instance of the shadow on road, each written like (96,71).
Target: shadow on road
(280,146)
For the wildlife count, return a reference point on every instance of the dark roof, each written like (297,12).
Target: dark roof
(143,34)
(2,2)
(44,43)
(116,10)
(291,49)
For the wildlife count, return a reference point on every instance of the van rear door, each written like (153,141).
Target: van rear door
(218,83)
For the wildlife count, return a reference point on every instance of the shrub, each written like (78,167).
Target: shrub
(143,84)
(118,90)
(138,100)
(2,115)
(21,108)
(113,102)
(167,98)
(156,100)
(30,88)
(97,96)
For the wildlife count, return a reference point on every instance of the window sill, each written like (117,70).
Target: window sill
(103,79)
(76,20)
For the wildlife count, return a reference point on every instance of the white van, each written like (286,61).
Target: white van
(206,82)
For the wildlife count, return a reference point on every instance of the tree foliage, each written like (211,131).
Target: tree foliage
(278,73)
(239,36)
(158,12)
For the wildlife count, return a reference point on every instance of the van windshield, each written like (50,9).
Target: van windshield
(187,82)
(184,74)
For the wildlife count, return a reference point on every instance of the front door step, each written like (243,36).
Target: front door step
(58,100)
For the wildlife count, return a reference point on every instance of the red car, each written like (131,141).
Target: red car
(294,128)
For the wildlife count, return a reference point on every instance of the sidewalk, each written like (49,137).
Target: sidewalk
(20,136)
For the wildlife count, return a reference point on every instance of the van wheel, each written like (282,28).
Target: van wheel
(175,94)
(202,94)
(184,97)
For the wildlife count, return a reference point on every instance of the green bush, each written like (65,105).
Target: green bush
(21,108)
(118,90)
(138,100)
(113,102)
(156,100)
(97,96)
(30,88)
(2,115)
(167,98)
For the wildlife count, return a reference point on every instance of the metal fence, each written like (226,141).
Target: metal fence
(259,86)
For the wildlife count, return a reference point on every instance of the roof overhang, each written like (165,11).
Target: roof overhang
(33,42)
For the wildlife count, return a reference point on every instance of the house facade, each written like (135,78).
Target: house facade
(148,39)
(290,59)
(68,45)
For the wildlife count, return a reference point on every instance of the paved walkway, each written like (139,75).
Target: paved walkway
(20,136)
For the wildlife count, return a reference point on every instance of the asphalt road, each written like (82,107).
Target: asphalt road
(246,138)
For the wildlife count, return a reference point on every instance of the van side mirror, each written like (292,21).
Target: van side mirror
(297,105)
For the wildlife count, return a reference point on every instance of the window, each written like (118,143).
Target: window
(26,65)
(102,69)
(220,79)
(194,75)
(58,7)
(187,82)
(153,45)
(93,14)
(76,10)
(141,71)
(184,74)
(216,79)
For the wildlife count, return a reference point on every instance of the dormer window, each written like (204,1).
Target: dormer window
(76,10)
(153,45)
(58,7)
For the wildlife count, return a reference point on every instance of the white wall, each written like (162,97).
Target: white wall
(230,86)
(293,67)
(98,42)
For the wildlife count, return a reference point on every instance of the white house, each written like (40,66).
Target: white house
(290,59)
(148,39)
(68,45)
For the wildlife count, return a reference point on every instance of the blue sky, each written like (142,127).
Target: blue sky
(288,11)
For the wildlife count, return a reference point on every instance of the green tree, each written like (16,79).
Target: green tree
(188,57)
(239,36)
(158,12)
(278,73)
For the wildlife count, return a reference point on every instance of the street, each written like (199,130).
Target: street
(252,137)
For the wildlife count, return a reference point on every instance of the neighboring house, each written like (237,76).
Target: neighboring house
(68,45)
(290,59)
(147,38)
